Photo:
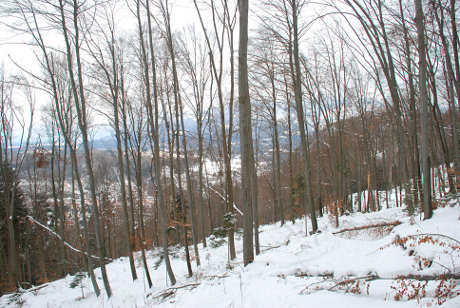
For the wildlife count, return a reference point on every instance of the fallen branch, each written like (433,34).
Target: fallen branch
(60,238)
(455,276)
(434,234)
(324,275)
(271,247)
(194,285)
(36,289)
(326,283)
(385,224)
(225,275)
(171,291)
(353,284)
(350,280)
(274,247)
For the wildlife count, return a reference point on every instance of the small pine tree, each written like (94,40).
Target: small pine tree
(229,221)
(228,224)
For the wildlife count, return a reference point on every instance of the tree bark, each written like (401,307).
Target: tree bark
(419,22)
(247,155)
(300,114)
(153,116)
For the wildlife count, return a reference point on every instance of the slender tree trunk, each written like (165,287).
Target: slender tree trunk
(225,144)
(255,200)
(76,174)
(279,196)
(168,122)
(419,22)
(80,104)
(142,238)
(291,172)
(318,171)
(56,154)
(191,199)
(62,205)
(413,114)
(180,200)
(247,155)
(65,125)
(137,157)
(154,127)
(126,138)
(200,181)
(121,168)
(300,114)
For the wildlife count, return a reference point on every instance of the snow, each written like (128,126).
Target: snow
(289,272)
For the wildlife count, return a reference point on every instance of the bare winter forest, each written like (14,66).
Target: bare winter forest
(219,116)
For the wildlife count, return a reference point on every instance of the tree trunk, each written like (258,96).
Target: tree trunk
(419,22)
(225,142)
(300,114)
(154,127)
(121,169)
(247,155)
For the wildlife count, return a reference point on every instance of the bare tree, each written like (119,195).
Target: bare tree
(217,66)
(370,15)
(13,121)
(196,66)
(247,155)
(419,22)
(109,60)
(58,162)
(153,118)
(178,103)
(267,65)
(75,70)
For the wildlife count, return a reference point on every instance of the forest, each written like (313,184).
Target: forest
(223,116)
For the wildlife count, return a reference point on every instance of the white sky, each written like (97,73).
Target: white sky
(16,54)
(15,49)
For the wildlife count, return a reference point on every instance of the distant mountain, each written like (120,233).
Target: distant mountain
(105,143)
(103,137)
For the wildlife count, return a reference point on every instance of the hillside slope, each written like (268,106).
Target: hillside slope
(293,270)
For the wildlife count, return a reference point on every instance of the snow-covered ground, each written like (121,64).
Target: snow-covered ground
(293,270)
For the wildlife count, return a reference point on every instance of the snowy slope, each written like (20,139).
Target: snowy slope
(293,270)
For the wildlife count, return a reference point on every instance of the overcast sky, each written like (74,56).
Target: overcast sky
(14,48)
